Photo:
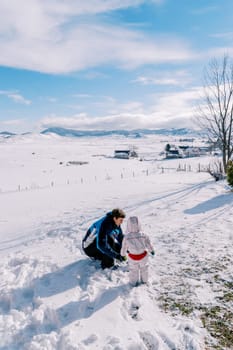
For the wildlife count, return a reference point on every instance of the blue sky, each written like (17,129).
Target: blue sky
(107,64)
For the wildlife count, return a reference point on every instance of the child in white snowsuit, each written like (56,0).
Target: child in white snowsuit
(137,245)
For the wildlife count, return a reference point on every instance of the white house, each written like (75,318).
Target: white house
(125,153)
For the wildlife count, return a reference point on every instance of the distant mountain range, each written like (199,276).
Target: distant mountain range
(6,134)
(127,133)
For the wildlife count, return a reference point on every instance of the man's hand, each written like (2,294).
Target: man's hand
(122,258)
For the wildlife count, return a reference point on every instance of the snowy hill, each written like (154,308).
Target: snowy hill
(6,134)
(53,297)
(100,133)
(127,133)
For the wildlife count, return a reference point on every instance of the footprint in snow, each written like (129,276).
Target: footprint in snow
(134,309)
(90,340)
(149,340)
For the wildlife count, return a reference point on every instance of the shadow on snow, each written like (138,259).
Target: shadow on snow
(211,204)
(55,319)
(55,282)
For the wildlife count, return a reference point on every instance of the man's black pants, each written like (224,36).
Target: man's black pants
(93,252)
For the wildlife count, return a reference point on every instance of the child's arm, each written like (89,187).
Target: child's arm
(123,247)
(149,245)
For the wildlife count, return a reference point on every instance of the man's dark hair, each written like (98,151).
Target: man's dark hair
(118,213)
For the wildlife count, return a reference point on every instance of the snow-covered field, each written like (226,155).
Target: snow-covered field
(53,297)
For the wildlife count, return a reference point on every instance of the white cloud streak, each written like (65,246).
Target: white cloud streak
(223,35)
(179,78)
(168,110)
(218,53)
(51,36)
(16,97)
(12,122)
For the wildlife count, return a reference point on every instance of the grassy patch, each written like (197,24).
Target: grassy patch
(217,318)
(227,297)
(176,306)
(228,284)
(219,323)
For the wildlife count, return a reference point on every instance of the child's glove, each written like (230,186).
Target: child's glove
(152,253)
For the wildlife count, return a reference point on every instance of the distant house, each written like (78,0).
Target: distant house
(205,150)
(192,152)
(184,151)
(74,162)
(125,154)
(173,152)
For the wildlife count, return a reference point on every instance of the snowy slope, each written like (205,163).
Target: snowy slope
(53,297)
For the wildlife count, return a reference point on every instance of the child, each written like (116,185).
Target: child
(137,245)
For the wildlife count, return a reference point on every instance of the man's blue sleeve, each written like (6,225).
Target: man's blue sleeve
(102,241)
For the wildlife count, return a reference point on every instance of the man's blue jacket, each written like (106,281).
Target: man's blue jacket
(106,235)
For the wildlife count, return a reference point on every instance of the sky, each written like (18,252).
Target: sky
(107,64)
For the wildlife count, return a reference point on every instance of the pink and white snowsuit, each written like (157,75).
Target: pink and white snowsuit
(137,245)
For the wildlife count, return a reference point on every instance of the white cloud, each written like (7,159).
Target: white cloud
(82,96)
(167,110)
(218,53)
(171,105)
(224,35)
(16,97)
(153,81)
(61,10)
(53,39)
(19,125)
(126,121)
(180,78)
(19,99)
(12,122)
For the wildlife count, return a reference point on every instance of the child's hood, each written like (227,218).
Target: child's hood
(133,225)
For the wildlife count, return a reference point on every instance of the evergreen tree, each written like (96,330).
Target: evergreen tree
(230,172)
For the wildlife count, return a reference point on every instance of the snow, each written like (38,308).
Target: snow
(54,297)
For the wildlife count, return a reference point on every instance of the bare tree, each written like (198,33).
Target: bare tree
(215,113)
